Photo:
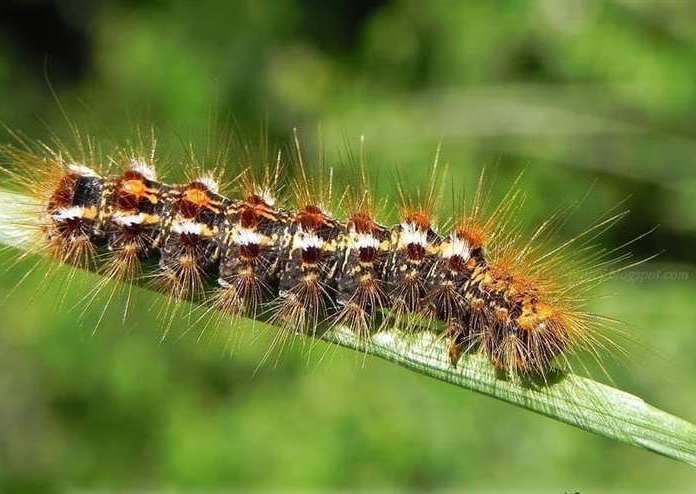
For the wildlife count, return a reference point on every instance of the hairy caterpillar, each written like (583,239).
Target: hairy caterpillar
(481,284)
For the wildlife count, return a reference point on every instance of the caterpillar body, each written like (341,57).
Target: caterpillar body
(302,268)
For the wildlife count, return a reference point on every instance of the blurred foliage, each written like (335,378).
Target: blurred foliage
(579,94)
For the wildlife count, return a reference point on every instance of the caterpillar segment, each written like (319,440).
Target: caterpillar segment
(361,291)
(307,280)
(311,251)
(133,219)
(251,249)
(190,246)
(453,295)
(414,250)
(415,245)
(72,231)
(251,255)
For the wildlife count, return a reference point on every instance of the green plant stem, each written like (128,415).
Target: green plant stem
(567,397)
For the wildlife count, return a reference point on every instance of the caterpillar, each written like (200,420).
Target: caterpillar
(477,280)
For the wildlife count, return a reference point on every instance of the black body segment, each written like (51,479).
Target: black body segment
(361,289)
(73,230)
(251,256)
(133,220)
(415,247)
(310,257)
(196,216)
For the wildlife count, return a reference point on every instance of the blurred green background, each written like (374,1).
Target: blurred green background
(579,94)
